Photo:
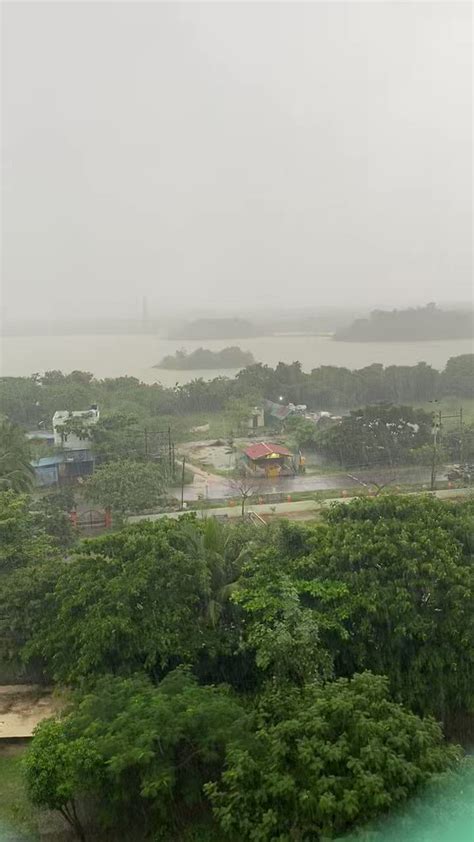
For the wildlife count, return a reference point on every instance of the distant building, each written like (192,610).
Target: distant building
(278,410)
(257,418)
(77,458)
(70,440)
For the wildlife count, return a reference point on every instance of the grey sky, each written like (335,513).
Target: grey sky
(310,153)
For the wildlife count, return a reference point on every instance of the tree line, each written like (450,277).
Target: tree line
(411,324)
(29,401)
(253,684)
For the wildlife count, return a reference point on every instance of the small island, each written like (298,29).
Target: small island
(413,324)
(232,357)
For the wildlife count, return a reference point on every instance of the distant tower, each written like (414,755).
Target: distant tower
(144,310)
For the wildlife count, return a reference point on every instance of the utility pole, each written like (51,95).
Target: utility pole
(182,483)
(458,415)
(434,459)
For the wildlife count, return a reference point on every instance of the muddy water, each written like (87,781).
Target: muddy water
(112,356)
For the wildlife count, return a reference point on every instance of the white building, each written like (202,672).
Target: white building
(257,418)
(72,440)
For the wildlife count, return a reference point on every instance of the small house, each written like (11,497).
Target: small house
(72,439)
(272,459)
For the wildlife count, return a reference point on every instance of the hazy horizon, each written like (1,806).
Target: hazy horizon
(235,157)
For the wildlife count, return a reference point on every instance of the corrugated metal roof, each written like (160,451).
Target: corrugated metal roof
(277,410)
(48,461)
(262,450)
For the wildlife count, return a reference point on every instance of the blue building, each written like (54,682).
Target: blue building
(47,470)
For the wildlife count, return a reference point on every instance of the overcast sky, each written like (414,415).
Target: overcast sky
(290,154)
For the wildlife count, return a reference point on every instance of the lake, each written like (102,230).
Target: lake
(112,356)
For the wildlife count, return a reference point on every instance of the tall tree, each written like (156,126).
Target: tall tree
(16,472)
(126,486)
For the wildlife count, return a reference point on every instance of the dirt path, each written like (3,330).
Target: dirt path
(22,707)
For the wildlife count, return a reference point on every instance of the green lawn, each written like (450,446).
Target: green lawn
(16,813)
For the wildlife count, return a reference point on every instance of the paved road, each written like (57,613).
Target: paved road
(214,487)
(305,508)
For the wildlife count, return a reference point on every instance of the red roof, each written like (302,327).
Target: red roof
(262,449)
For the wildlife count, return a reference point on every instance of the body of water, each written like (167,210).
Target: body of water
(135,355)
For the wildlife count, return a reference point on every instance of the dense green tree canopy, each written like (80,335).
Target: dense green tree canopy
(131,600)
(141,753)
(389,585)
(28,563)
(324,759)
(16,472)
(32,400)
(376,435)
(334,637)
(127,486)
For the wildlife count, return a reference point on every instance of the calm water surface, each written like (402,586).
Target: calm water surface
(112,356)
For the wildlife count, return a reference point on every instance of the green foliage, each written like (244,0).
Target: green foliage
(376,435)
(31,400)
(28,557)
(302,431)
(413,323)
(231,357)
(128,601)
(23,539)
(126,486)
(117,437)
(53,512)
(237,412)
(328,758)
(407,566)
(16,810)
(16,472)
(458,376)
(288,616)
(279,629)
(143,752)
(385,585)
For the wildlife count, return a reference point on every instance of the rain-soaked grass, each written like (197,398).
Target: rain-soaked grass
(17,817)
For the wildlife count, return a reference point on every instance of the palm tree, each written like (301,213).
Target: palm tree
(224,559)
(16,472)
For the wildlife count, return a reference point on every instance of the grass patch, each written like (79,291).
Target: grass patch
(15,809)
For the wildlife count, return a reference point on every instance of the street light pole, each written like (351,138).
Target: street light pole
(434,459)
(182,482)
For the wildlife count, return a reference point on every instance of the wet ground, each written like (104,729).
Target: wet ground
(206,457)
(214,487)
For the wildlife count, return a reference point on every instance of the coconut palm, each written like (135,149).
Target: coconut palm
(16,472)
(224,554)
